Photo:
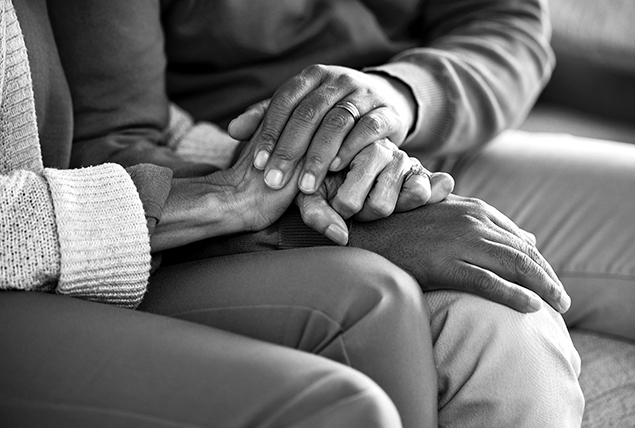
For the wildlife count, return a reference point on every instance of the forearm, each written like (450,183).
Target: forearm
(478,72)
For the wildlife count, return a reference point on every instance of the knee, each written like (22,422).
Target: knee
(522,361)
(348,398)
(379,282)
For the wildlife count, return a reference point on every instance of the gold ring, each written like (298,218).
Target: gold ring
(349,107)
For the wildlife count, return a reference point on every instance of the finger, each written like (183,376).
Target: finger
(301,128)
(244,126)
(524,265)
(361,177)
(531,238)
(282,105)
(320,216)
(442,184)
(415,193)
(326,142)
(382,199)
(374,125)
(487,284)
(505,223)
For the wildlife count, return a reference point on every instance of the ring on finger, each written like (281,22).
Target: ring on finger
(416,169)
(349,107)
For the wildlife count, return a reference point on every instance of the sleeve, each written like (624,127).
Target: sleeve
(80,233)
(478,71)
(113,56)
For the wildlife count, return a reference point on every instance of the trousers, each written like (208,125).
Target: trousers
(312,337)
(330,336)
(577,196)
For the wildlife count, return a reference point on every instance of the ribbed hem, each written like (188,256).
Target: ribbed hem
(104,243)
(293,233)
(434,113)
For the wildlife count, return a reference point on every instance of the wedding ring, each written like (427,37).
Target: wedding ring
(349,107)
(416,169)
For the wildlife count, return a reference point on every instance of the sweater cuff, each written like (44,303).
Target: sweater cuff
(293,233)
(433,117)
(104,243)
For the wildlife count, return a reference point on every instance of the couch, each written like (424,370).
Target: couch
(592,94)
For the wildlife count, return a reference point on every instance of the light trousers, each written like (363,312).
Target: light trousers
(577,196)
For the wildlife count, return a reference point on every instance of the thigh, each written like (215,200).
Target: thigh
(67,362)
(346,304)
(577,196)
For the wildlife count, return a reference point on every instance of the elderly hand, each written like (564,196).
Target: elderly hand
(381,180)
(326,115)
(465,244)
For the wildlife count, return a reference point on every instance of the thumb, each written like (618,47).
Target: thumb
(320,216)
(244,126)
(442,184)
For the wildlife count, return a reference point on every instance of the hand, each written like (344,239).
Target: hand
(380,181)
(374,188)
(303,121)
(221,203)
(464,244)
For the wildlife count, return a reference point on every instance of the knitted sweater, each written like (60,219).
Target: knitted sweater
(80,232)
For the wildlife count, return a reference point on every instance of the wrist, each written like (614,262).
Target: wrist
(197,209)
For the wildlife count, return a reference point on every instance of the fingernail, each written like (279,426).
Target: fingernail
(308,182)
(535,303)
(273,178)
(565,303)
(337,234)
(335,164)
(261,159)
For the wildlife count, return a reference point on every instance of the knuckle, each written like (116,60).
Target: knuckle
(306,114)
(315,160)
(336,121)
(373,125)
(284,101)
(345,80)
(523,265)
(484,283)
(348,205)
(314,70)
(284,154)
(268,137)
(380,208)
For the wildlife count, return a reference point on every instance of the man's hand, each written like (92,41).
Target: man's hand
(326,115)
(465,244)
(379,182)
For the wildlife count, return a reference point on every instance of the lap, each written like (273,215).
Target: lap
(577,196)
(349,305)
(72,362)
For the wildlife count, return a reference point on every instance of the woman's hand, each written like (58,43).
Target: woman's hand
(465,244)
(326,115)
(221,203)
(382,180)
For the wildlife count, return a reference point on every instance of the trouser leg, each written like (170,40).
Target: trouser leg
(577,196)
(70,363)
(348,305)
(500,368)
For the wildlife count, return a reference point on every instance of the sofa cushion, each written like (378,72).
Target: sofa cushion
(607,380)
